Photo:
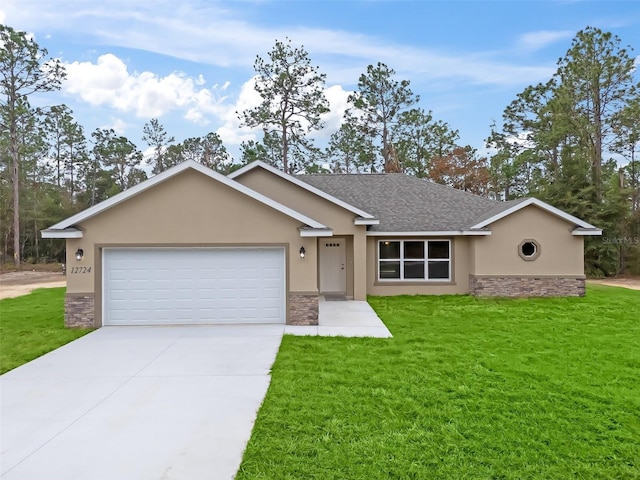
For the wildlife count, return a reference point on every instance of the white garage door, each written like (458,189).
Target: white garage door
(169,286)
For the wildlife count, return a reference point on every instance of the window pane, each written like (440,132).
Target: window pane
(389,249)
(414,270)
(439,270)
(439,249)
(389,269)
(529,249)
(413,249)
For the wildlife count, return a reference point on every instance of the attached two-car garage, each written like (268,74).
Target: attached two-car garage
(168,286)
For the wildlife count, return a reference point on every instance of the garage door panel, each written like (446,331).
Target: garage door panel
(191,286)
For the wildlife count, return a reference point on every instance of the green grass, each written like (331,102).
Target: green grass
(32,325)
(467,388)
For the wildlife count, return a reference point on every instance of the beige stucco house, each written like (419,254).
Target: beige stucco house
(192,246)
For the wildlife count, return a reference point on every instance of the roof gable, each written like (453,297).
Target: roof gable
(64,228)
(505,209)
(365,217)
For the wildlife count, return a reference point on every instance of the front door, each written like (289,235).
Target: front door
(333,259)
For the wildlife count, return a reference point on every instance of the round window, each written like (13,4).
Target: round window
(528,249)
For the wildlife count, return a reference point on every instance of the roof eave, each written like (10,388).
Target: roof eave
(579,232)
(431,233)
(61,233)
(315,232)
(366,221)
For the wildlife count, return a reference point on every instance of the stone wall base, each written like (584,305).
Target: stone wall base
(303,309)
(78,311)
(542,286)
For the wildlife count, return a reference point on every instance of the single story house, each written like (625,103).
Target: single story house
(192,246)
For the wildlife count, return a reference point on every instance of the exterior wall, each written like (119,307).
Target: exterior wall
(350,256)
(498,269)
(303,309)
(79,311)
(561,253)
(189,209)
(337,218)
(459,284)
(540,286)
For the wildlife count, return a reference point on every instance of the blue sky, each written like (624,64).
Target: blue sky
(189,63)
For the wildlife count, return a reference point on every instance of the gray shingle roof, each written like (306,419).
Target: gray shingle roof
(404,203)
(499,208)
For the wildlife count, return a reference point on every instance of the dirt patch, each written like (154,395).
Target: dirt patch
(30,267)
(15,284)
(626,282)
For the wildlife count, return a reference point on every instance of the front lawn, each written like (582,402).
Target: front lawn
(467,388)
(32,325)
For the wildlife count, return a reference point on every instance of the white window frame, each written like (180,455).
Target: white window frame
(426,261)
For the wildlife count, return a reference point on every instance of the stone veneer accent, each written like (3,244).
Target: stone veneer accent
(303,309)
(78,311)
(542,286)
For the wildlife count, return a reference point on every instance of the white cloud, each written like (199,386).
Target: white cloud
(231,131)
(108,82)
(118,125)
(337,97)
(537,40)
(3,17)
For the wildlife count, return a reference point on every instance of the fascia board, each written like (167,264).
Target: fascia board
(366,221)
(316,232)
(66,233)
(442,233)
(586,231)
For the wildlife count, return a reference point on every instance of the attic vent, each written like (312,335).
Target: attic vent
(331,244)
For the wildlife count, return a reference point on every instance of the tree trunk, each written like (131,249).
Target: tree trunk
(385,151)
(71,179)
(5,247)
(285,150)
(597,143)
(36,241)
(93,186)
(58,158)
(635,193)
(15,180)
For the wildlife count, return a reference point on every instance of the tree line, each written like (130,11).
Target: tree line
(558,141)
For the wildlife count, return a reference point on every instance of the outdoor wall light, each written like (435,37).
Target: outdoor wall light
(79,254)
(302,252)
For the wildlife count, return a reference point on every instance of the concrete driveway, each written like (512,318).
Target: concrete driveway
(137,403)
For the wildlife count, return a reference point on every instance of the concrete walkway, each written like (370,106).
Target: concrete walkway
(150,402)
(344,319)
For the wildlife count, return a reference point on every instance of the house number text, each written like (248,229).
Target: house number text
(80,269)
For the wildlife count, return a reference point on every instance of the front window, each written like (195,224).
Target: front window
(414,260)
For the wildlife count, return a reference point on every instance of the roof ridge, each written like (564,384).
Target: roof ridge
(423,179)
